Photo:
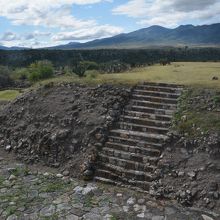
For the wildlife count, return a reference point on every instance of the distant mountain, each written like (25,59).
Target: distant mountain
(205,35)
(12,48)
(3,48)
(67,46)
(154,36)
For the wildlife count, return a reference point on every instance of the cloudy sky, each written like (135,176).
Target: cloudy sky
(39,23)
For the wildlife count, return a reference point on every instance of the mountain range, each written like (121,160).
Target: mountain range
(154,36)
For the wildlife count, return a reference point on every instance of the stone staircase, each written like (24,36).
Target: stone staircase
(134,146)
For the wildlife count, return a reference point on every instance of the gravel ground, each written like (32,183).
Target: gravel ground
(29,193)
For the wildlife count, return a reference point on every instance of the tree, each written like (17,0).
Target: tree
(5,78)
(40,70)
(20,74)
(81,67)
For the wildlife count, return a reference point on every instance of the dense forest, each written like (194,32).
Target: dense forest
(133,57)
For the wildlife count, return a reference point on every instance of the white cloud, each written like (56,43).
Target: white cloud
(25,39)
(88,34)
(9,36)
(55,15)
(134,8)
(170,12)
(49,13)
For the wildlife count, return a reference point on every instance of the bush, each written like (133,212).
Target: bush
(216,99)
(114,67)
(92,74)
(81,67)
(4,71)
(40,70)
(5,78)
(21,74)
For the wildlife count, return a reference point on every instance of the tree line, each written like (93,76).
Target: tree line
(29,66)
(132,57)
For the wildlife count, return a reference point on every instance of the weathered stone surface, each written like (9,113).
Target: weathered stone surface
(57,125)
(205,217)
(48,210)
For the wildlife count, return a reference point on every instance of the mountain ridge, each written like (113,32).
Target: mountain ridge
(153,36)
(158,36)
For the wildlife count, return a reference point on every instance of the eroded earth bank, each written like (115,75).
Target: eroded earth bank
(48,137)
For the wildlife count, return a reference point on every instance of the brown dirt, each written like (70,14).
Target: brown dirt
(57,126)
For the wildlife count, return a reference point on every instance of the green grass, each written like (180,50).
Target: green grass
(8,95)
(53,187)
(197,116)
(190,73)
(185,73)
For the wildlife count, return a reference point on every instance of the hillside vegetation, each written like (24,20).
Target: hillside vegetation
(132,57)
(185,73)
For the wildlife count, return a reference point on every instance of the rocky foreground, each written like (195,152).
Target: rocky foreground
(52,131)
(35,193)
(55,125)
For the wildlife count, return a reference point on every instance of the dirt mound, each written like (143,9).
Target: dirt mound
(190,173)
(190,166)
(59,125)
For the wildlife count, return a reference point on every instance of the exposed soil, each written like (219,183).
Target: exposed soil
(38,194)
(58,126)
(190,167)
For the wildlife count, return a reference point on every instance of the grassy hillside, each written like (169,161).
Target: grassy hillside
(8,95)
(186,73)
(190,74)
(194,74)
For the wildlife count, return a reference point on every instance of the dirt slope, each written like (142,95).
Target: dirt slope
(58,125)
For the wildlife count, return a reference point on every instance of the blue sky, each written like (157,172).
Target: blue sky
(40,23)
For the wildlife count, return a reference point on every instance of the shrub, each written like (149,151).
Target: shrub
(216,99)
(114,67)
(92,74)
(40,70)
(5,78)
(21,74)
(81,67)
(5,71)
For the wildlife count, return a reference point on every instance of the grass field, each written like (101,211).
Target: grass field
(8,95)
(194,74)
(187,73)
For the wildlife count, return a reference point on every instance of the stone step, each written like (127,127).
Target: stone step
(149,110)
(150,104)
(157,93)
(145,121)
(126,164)
(140,136)
(160,100)
(133,149)
(106,181)
(108,175)
(159,89)
(166,118)
(137,185)
(132,142)
(129,156)
(128,174)
(141,128)
(176,86)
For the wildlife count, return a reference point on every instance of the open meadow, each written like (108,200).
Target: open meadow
(184,73)
(195,74)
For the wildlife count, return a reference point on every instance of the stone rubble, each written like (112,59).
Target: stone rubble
(36,196)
